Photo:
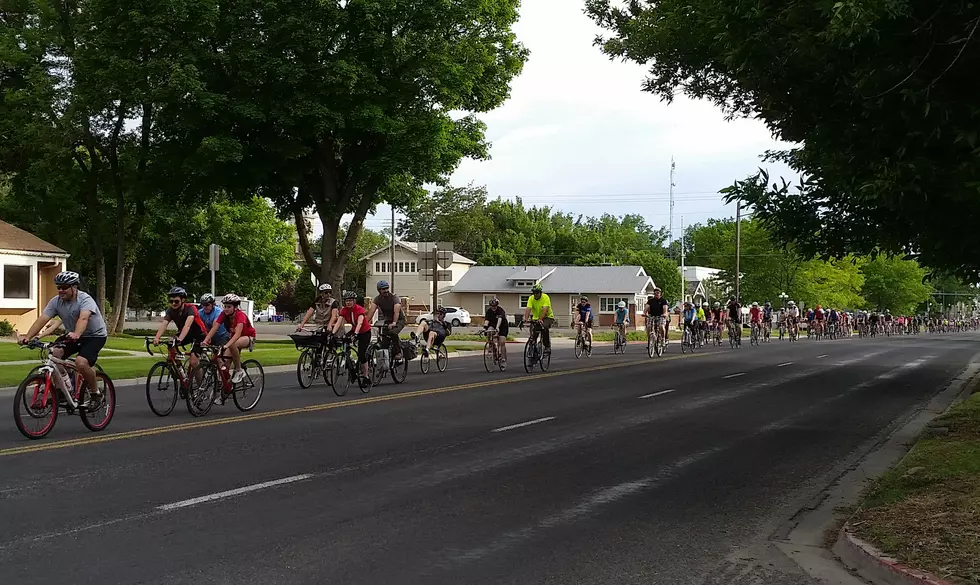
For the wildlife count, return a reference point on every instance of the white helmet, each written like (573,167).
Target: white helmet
(621,305)
(791,303)
(755,304)
(231,299)
(325,287)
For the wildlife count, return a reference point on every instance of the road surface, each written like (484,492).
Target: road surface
(614,469)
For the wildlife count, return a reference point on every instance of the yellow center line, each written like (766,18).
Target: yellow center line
(37,447)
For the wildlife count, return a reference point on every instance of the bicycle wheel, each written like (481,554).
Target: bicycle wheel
(424,360)
(529,357)
(685,341)
(579,347)
(489,359)
(162,389)
(442,358)
(41,413)
(651,345)
(399,370)
(248,392)
(338,374)
(305,368)
(544,362)
(98,418)
(325,363)
(204,386)
(659,346)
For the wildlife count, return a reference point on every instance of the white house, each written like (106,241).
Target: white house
(417,293)
(28,265)
(694,280)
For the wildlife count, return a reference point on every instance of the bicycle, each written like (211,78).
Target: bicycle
(766,331)
(619,344)
(534,354)
(312,361)
(655,337)
(170,375)
(688,340)
(442,355)
(734,334)
(57,385)
(716,333)
(492,357)
(755,334)
(208,379)
(343,363)
(381,358)
(582,344)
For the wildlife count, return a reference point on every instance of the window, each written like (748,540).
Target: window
(414,270)
(16,282)
(377,268)
(524,300)
(608,304)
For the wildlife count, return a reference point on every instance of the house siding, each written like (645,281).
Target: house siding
(474,303)
(22,313)
(418,293)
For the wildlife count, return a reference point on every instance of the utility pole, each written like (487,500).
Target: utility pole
(670,228)
(683,279)
(392,248)
(435,279)
(738,248)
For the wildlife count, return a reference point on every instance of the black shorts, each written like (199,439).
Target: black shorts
(195,342)
(87,347)
(363,342)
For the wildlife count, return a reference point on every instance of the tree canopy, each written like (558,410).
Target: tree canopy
(878,94)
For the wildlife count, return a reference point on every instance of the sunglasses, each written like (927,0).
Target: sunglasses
(174,301)
(63,287)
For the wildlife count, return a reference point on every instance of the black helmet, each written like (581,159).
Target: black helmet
(177,291)
(494,302)
(67,278)
(440,310)
(350,295)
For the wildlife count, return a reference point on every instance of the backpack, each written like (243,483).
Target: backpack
(409,351)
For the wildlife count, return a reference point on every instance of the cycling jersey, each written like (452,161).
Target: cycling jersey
(767,313)
(622,315)
(584,312)
(818,314)
(690,315)
(238,317)
(716,314)
(179,318)
(656,307)
(755,314)
(352,314)
(734,311)
(538,305)
(834,316)
(700,314)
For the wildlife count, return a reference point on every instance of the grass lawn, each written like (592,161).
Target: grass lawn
(11,352)
(926,510)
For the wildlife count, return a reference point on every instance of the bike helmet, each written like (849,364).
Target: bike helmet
(325,287)
(383,284)
(657,289)
(756,305)
(717,304)
(791,303)
(537,288)
(621,305)
(584,298)
(768,304)
(440,311)
(207,298)
(67,278)
(231,299)
(177,291)
(494,302)
(350,295)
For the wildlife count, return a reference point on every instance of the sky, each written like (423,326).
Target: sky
(579,135)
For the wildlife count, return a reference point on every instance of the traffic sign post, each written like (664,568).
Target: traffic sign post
(433,256)
(214,255)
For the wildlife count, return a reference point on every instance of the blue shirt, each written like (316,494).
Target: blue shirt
(767,312)
(690,315)
(622,315)
(584,312)
(209,318)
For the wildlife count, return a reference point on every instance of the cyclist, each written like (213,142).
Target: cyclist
(792,316)
(818,315)
(539,307)
(690,317)
(701,317)
(390,307)
(834,318)
(434,332)
(496,318)
(656,312)
(242,334)
(356,316)
(584,318)
(209,312)
(767,316)
(190,326)
(755,316)
(325,310)
(734,316)
(84,327)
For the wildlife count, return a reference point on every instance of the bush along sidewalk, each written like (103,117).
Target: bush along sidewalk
(925,512)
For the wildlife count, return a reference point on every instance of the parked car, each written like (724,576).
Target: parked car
(456,316)
(261,316)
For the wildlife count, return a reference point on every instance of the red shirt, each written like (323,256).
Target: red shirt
(755,313)
(237,317)
(351,314)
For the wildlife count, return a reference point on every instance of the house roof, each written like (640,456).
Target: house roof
(413,247)
(556,279)
(16,239)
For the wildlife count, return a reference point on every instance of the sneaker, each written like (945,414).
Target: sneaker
(94,401)
(503,365)
(425,352)
(238,376)
(547,351)
(220,399)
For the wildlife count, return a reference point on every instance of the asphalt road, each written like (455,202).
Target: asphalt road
(630,470)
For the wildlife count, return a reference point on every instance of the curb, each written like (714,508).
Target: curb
(876,566)
(864,558)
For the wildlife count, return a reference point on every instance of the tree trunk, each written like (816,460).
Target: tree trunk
(120,316)
(117,299)
(100,280)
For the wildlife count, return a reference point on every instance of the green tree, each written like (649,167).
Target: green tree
(876,93)
(342,105)
(355,274)
(451,214)
(894,284)
(835,283)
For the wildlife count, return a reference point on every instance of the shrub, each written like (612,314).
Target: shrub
(6,328)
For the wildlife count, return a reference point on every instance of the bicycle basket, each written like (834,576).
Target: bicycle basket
(409,351)
(305,340)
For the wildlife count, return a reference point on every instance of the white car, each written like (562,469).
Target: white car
(261,316)
(455,316)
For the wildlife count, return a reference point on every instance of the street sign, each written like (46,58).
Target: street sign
(445,258)
(444,275)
